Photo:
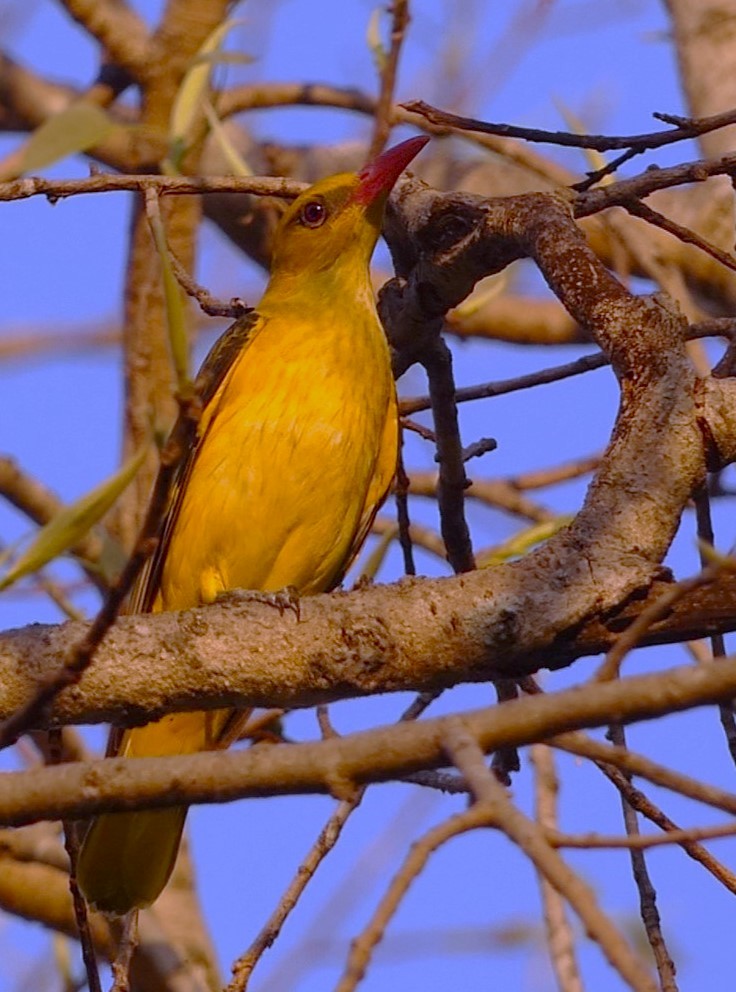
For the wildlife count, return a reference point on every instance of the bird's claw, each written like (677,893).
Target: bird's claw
(282,599)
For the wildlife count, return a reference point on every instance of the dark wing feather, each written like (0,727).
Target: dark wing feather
(228,347)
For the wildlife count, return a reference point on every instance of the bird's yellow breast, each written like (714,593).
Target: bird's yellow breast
(299,448)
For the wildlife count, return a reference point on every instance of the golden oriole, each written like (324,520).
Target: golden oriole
(295,452)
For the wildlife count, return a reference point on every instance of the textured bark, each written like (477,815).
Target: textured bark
(340,765)
(502,621)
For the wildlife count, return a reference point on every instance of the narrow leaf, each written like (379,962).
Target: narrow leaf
(238,165)
(223,58)
(75,129)
(596,160)
(175,316)
(71,524)
(716,559)
(373,39)
(521,542)
(376,558)
(195,85)
(486,290)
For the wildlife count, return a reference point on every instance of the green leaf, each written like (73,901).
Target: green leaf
(238,165)
(195,85)
(75,129)
(175,314)
(376,558)
(71,524)
(373,39)
(223,58)
(596,160)
(521,542)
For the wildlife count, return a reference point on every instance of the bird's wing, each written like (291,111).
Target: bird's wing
(379,488)
(215,368)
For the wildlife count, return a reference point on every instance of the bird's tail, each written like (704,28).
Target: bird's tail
(126,858)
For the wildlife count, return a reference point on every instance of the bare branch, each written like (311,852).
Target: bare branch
(638,209)
(647,895)
(644,805)
(653,611)
(501,494)
(363,946)
(559,932)
(636,764)
(399,11)
(620,193)
(119,30)
(639,142)
(57,189)
(717,643)
(682,836)
(530,838)
(452,481)
(340,765)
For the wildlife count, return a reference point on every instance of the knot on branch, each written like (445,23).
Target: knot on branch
(716,415)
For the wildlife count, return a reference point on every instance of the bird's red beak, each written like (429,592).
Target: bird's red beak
(380,175)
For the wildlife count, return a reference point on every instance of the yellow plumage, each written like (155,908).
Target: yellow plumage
(295,453)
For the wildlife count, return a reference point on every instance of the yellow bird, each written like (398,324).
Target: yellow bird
(295,452)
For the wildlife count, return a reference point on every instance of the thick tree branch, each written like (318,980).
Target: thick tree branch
(502,621)
(119,30)
(418,635)
(339,765)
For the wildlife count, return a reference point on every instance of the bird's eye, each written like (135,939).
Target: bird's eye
(313,214)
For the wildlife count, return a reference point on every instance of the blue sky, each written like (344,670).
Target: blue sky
(611,63)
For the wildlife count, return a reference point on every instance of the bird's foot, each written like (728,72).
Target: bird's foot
(281,600)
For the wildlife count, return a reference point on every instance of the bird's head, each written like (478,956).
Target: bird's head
(339,218)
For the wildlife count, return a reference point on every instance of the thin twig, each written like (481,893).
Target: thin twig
(401,494)
(681,836)
(399,10)
(58,189)
(718,645)
(592,201)
(647,893)
(638,209)
(447,782)
(543,477)
(57,594)
(476,449)
(559,932)
(363,946)
(686,128)
(126,949)
(580,744)
(324,722)
(530,838)
(625,762)
(327,839)
(505,760)
(634,633)
(55,755)
(421,537)
(501,494)
(424,432)
(452,481)
(209,304)
(588,363)
(713,327)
